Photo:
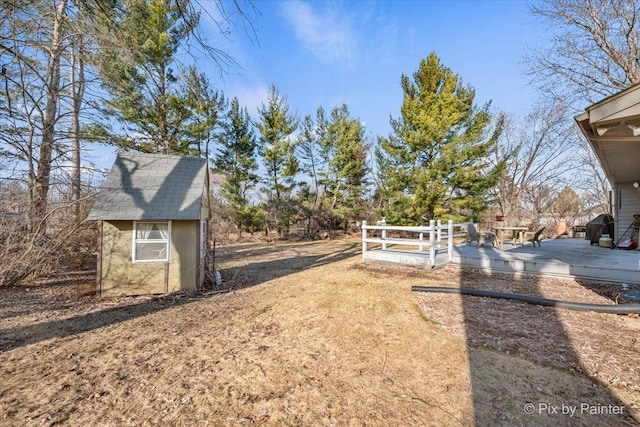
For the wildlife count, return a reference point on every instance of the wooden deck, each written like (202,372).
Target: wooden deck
(568,258)
(571,258)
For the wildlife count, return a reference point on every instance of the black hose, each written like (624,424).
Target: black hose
(600,308)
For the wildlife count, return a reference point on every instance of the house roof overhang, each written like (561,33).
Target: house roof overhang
(612,127)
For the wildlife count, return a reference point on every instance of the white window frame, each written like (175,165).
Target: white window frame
(134,241)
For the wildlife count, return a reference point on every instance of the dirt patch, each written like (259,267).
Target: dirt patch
(310,336)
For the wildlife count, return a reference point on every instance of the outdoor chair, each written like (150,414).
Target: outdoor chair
(535,237)
(480,238)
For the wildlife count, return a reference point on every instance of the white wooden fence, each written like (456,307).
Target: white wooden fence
(435,237)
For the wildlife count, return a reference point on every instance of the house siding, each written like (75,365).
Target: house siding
(627,205)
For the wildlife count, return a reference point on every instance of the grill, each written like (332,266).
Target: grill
(602,224)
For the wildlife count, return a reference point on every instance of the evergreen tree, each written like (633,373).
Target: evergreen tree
(309,152)
(333,153)
(434,163)
(278,154)
(236,158)
(309,197)
(139,69)
(345,142)
(204,104)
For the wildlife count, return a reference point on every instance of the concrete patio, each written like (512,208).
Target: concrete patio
(570,258)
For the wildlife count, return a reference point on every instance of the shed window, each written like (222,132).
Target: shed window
(151,241)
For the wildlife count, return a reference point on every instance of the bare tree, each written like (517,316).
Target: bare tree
(539,199)
(33,40)
(52,81)
(594,49)
(593,185)
(48,75)
(77,87)
(538,152)
(594,53)
(567,204)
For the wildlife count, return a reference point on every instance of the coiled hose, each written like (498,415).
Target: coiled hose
(600,308)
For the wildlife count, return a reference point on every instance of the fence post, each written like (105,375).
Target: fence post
(384,236)
(364,238)
(432,246)
(450,240)
(421,247)
(439,233)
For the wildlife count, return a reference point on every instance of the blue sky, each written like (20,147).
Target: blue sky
(354,52)
(325,53)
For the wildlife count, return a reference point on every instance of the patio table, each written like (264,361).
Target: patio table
(517,234)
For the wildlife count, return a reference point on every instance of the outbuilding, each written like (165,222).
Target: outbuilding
(153,212)
(612,127)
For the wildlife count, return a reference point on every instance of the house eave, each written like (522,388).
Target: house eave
(612,128)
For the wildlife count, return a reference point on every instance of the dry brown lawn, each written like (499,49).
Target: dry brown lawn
(311,336)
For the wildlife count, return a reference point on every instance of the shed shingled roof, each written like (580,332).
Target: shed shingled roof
(152,187)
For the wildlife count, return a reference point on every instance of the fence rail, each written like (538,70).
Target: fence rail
(436,236)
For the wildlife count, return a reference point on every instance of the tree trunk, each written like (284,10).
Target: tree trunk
(77,93)
(41,190)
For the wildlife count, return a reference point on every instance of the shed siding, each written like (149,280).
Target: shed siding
(204,207)
(184,246)
(120,276)
(627,205)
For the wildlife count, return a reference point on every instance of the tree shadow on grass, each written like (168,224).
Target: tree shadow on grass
(255,265)
(60,291)
(59,328)
(507,389)
(281,261)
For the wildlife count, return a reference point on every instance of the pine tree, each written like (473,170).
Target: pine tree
(204,104)
(278,154)
(139,69)
(309,153)
(434,164)
(236,158)
(346,142)
(309,194)
(333,153)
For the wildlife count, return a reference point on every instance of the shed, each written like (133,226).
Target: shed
(153,212)
(612,127)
